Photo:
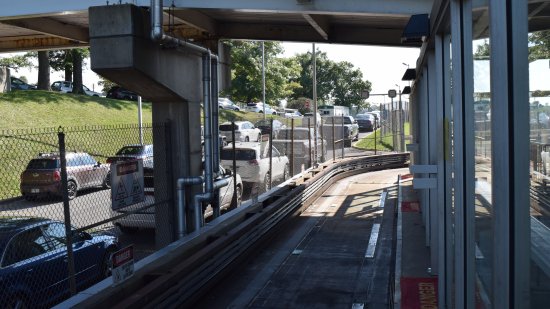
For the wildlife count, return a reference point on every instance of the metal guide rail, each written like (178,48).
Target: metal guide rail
(179,274)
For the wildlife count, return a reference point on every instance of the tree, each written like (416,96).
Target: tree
(336,81)
(539,45)
(300,105)
(106,84)
(16,62)
(324,82)
(61,60)
(77,55)
(43,71)
(246,73)
(483,51)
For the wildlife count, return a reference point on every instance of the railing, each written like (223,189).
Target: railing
(163,280)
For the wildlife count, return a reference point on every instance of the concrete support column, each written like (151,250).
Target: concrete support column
(123,52)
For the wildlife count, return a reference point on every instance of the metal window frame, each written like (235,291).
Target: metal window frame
(463,149)
(510,152)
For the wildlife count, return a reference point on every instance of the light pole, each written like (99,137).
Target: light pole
(400,122)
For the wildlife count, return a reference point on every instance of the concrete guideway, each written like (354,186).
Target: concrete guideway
(318,259)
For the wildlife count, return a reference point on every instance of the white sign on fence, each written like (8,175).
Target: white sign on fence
(123,264)
(126,183)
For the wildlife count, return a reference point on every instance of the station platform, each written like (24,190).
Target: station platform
(344,251)
(415,287)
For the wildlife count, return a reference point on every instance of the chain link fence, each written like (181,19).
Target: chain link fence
(57,232)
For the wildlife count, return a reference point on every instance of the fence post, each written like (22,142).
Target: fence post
(309,139)
(271,155)
(323,150)
(375,124)
(67,212)
(343,136)
(292,147)
(333,142)
(234,165)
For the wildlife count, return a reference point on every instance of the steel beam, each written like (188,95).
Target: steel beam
(37,43)
(385,7)
(319,23)
(197,20)
(50,26)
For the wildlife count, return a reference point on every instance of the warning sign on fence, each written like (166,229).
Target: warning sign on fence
(126,183)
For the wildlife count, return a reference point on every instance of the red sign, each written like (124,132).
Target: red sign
(419,293)
(122,256)
(410,207)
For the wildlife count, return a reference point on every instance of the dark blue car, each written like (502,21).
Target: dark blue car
(33,261)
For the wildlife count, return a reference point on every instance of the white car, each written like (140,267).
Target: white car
(225,103)
(146,218)
(244,131)
(252,161)
(259,108)
(67,87)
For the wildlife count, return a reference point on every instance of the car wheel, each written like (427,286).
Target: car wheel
(107,181)
(107,264)
(17,302)
(274,113)
(259,137)
(265,186)
(29,197)
(237,202)
(71,189)
(246,139)
(261,112)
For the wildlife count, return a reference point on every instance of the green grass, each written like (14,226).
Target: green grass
(369,142)
(41,109)
(99,126)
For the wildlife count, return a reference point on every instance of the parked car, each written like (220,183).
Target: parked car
(294,114)
(17,84)
(146,218)
(120,93)
(252,161)
(134,152)
(351,128)
(244,131)
(265,126)
(225,103)
(67,87)
(301,149)
(365,122)
(33,269)
(259,107)
(42,176)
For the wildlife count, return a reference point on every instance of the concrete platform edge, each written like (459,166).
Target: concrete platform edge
(398,248)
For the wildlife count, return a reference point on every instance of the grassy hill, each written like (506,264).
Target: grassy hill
(45,109)
(28,122)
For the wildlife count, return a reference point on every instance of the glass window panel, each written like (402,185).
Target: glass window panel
(484,209)
(539,154)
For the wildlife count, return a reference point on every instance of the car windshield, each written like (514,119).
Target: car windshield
(130,150)
(338,120)
(42,164)
(240,154)
(228,127)
(362,116)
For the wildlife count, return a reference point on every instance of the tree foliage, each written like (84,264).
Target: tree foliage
(337,82)
(17,62)
(539,45)
(246,73)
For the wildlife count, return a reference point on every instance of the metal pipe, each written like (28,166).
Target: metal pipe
(157,32)
(207,196)
(207,103)
(181,214)
(215,132)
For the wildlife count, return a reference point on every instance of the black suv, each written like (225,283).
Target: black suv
(120,93)
(42,176)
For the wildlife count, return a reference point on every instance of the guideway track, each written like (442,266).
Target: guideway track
(181,279)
